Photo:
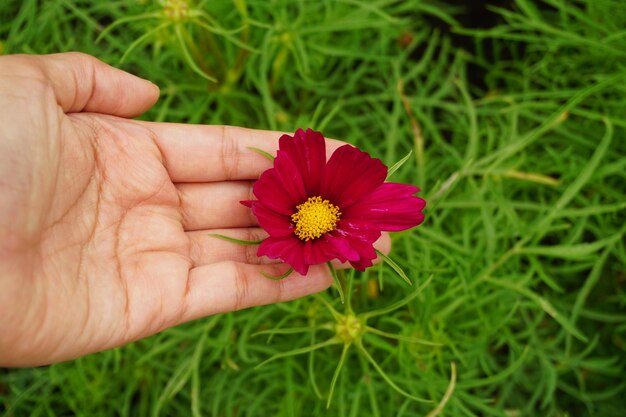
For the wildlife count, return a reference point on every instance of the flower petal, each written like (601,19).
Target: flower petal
(363,263)
(340,248)
(352,180)
(350,174)
(275,194)
(391,207)
(273,223)
(361,237)
(300,162)
(317,251)
(288,249)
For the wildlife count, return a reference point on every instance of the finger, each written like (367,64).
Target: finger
(84,83)
(199,153)
(231,286)
(216,205)
(206,248)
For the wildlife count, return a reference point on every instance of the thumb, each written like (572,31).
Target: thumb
(84,83)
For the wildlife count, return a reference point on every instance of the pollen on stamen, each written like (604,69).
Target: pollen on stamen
(315,217)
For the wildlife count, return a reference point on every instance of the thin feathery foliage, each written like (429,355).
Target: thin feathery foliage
(514,117)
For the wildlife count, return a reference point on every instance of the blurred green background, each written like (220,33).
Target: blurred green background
(515,114)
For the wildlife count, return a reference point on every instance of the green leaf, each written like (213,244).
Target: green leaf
(188,57)
(291,330)
(333,382)
(234,240)
(545,306)
(398,304)
(142,39)
(129,19)
(386,377)
(409,339)
(499,377)
(330,308)
(312,370)
(398,164)
(446,397)
(279,277)
(583,178)
(262,152)
(394,266)
(300,351)
(576,251)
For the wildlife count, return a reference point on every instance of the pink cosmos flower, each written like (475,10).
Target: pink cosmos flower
(316,210)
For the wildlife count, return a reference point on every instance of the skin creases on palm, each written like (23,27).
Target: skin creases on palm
(110,233)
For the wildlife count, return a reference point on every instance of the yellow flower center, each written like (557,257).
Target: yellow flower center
(314,218)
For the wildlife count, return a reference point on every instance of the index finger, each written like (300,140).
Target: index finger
(202,153)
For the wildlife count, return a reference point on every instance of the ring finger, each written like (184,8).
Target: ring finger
(216,205)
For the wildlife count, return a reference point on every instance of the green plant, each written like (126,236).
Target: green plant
(517,140)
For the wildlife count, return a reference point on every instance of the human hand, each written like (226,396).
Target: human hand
(105,221)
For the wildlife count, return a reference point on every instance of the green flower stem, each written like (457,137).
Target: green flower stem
(337,281)
(349,280)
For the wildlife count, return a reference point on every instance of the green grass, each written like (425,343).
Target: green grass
(517,134)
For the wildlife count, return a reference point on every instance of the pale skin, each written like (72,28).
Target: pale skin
(105,221)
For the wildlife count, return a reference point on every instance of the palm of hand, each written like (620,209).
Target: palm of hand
(115,233)
(109,233)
